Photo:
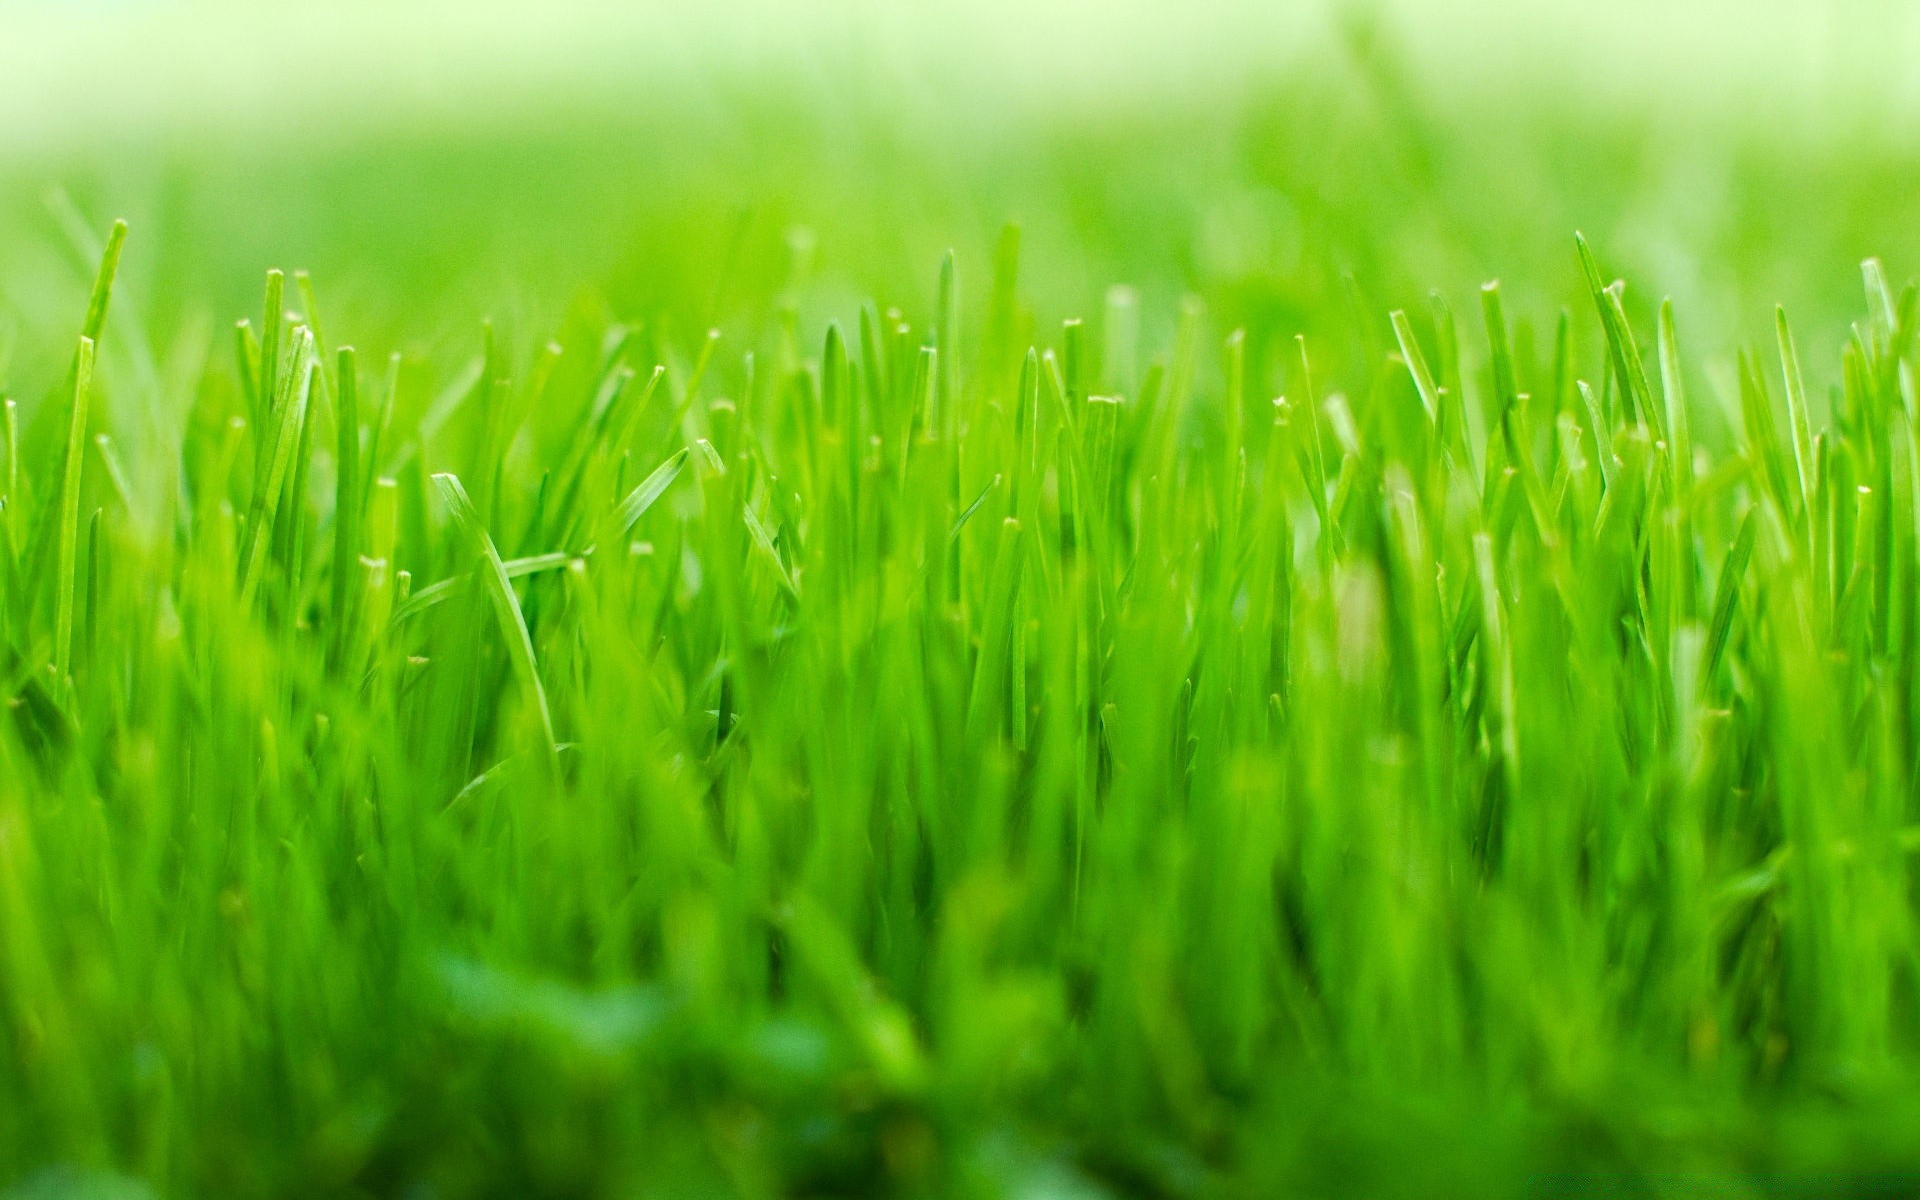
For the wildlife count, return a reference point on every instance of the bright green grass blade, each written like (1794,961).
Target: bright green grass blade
(246,360)
(1601,434)
(66,540)
(690,391)
(310,310)
(635,504)
(769,553)
(1880,301)
(1762,438)
(1799,423)
(102,292)
(1416,361)
(1646,401)
(1500,346)
(289,415)
(10,413)
(349,489)
(115,469)
(1073,357)
(506,607)
(944,412)
(379,432)
(290,515)
(1234,402)
(1673,387)
(266,387)
(1628,372)
(376,574)
(966,514)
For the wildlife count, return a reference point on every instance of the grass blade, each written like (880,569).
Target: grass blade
(66,544)
(628,512)
(506,607)
(289,415)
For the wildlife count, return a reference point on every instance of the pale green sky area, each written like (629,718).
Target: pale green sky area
(102,70)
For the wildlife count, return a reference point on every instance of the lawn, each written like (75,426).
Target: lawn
(987,604)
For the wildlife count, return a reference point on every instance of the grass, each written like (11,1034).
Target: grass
(794,712)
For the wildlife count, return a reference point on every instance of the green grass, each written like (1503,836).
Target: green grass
(785,709)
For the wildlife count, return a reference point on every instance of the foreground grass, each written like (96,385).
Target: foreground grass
(954,757)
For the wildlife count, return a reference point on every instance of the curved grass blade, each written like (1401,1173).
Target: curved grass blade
(1416,361)
(506,607)
(516,568)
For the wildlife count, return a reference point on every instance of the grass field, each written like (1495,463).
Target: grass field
(991,603)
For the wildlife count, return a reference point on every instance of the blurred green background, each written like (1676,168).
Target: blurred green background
(433,163)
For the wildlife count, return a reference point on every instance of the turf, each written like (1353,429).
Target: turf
(797,712)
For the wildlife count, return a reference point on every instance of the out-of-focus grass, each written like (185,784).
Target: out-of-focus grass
(465,159)
(957,732)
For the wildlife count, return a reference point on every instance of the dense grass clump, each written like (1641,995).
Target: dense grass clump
(949,756)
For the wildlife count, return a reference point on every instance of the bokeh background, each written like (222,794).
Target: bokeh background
(433,163)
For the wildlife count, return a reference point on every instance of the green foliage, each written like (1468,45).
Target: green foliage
(1148,783)
(1268,732)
